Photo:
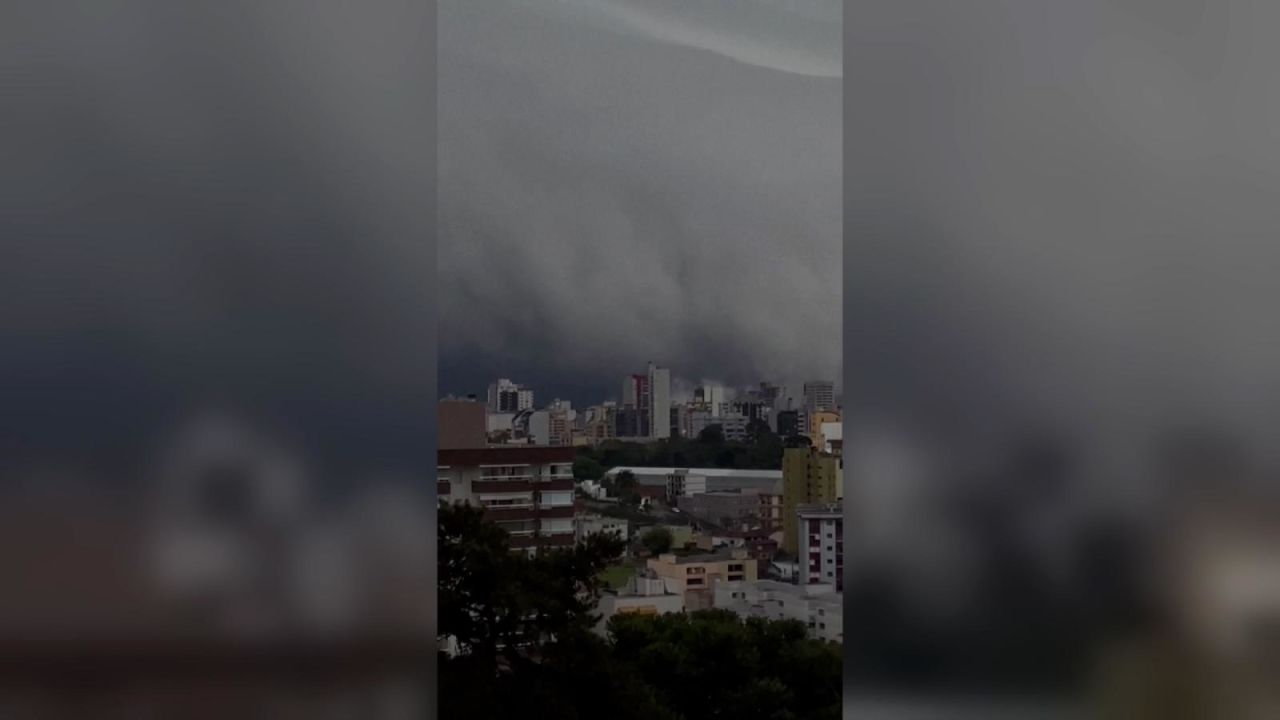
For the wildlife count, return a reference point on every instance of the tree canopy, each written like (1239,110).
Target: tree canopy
(522,625)
(761,451)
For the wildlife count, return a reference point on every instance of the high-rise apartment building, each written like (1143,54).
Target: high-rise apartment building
(712,398)
(551,427)
(508,397)
(821,544)
(820,395)
(637,396)
(527,491)
(808,476)
(659,402)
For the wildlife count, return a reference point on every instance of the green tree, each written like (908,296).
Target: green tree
(712,664)
(522,627)
(711,435)
(586,467)
(657,540)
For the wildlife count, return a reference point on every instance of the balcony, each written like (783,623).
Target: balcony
(501,514)
(562,511)
(526,485)
(504,477)
(443,488)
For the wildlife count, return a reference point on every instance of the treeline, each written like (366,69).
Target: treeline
(523,626)
(761,451)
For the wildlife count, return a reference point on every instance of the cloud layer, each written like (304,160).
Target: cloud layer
(613,193)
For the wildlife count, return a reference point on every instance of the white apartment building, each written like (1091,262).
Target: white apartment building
(821,544)
(819,607)
(593,523)
(659,402)
(644,594)
(732,425)
(508,397)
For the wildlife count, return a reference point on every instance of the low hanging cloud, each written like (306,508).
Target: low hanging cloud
(612,195)
(1065,210)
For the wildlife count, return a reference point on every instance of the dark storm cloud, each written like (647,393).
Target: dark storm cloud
(628,181)
(225,202)
(1064,210)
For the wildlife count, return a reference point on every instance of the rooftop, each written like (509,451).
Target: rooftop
(719,556)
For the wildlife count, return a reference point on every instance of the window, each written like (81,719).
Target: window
(735,568)
(822,626)
(693,581)
(821,611)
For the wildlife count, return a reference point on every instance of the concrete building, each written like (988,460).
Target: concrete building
(820,395)
(808,476)
(528,491)
(820,539)
(711,398)
(462,424)
(769,510)
(758,542)
(660,402)
(751,507)
(819,607)
(551,428)
(733,426)
(694,576)
(644,594)
(593,523)
(786,422)
(716,479)
(832,434)
(725,508)
(683,483)
(508,397)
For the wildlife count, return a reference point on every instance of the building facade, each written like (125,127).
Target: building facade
(462,424)
(725,508)
(733,426)
(820,395)
(586,524)
(527,491)
(644,594)
(821,543)
(695,576)
(808,476)
(659,402)
(819,607)
(508,397)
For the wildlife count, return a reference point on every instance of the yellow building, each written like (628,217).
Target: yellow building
(808,476)
(694,576)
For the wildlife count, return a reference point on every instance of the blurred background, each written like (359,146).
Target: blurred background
(217,365)
(1061,359)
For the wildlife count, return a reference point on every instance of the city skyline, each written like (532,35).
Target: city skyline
(584,395)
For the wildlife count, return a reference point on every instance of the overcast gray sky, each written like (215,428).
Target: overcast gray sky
(1061,217)
(634,180)
(216,203)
